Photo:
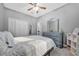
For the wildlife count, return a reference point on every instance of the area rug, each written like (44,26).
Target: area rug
(61,52)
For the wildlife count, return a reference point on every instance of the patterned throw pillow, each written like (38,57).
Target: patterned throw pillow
(9,39)
(3,45)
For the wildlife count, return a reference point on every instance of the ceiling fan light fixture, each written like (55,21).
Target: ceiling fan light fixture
(38,4)
(36,8)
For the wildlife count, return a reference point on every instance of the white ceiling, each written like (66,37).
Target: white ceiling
(22,7)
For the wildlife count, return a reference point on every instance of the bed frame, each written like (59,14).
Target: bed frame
(48,52)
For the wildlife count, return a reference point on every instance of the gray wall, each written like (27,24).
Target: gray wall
(67,15)
(19,16)
(5,13)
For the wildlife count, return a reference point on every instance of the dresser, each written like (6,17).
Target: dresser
(56,37)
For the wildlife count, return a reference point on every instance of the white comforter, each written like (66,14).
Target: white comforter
(41,44)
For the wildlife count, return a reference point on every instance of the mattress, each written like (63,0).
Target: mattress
(41,44)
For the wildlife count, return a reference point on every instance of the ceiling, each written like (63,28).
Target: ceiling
(22,7)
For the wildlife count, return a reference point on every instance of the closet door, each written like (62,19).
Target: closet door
(18,27)
(12,26)
(22,28)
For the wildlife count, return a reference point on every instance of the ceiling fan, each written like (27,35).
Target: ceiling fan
(36,7)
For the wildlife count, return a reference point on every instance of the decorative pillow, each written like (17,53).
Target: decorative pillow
(2,38)
(3,45)
(9,39)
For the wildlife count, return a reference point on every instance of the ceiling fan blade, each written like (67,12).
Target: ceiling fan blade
(30,9)
(42,7)
(34,4)
(31,3)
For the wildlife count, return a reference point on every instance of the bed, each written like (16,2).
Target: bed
(40,46)
(25,46)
